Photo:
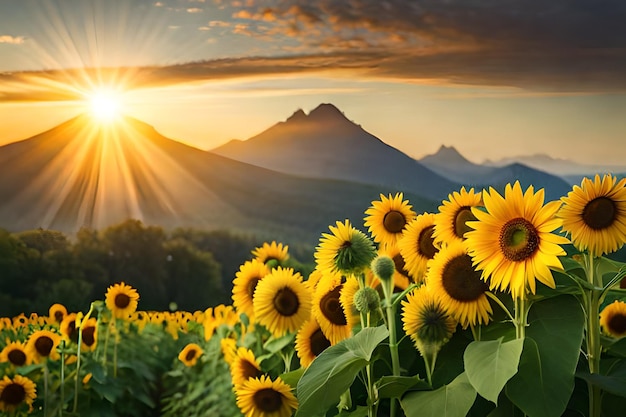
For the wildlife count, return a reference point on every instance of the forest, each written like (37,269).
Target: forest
(182,269)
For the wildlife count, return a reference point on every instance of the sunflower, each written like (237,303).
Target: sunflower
(244,284)
(42,344)
(268,252)
(228,347)
(458,286)
(417,245)
(121,299)
(244,366)
(282,302)
(388,217)
(57,313)
(450,222)
(15,392)
(262,397)
(16,354)
(310,342)
(613,319)
(89,334)
(345,249)
(190,354)
(346,298)
(328,310)
(426,321)
(594,214)
(314,278)
(512,241)
(68,328)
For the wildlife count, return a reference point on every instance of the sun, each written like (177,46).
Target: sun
(105,105)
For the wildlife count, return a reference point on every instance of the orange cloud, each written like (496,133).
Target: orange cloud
(13,40)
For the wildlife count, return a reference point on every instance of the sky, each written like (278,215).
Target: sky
(493,78)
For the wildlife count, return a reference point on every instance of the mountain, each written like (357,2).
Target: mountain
(569,170)
(84,174)
(325,144)
(449,163)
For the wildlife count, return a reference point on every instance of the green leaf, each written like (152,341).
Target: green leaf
(490,364)
(614,382)
(292,378)
(545,378)
(274,345)
(396,386)
(452,400)
(334,370)
(615,347)
(360,411)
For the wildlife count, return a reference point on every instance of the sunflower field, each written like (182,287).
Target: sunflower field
(496,305)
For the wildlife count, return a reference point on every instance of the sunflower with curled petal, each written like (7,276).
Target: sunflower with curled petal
(42,344)
(613,319)
(426,321)
(56,313)
(68,328)
(328,310)
(450,222)
(345,249)
(89,334)
(190,354)
(401,276)
(594,214)
(16,392)
(282,301)
(512,241)
(262,397)
(244,366)
(310,342)
(16,354)
(121,300)
(269,252)
(388,217)
(455,282)
(417,245)
(244,284)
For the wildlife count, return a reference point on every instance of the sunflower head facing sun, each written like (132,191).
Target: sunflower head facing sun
(16,392)
(345,249)
(454,213)
(262,397)
(387,218)
(512,241)
(594,214)
(121,300)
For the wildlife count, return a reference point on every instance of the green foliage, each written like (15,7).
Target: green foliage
(452,400)
(545,380)
(490,364)
(334,371)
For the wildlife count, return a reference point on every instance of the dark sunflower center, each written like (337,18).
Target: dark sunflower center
(461,281)
(13,394)
(248,370)
(434,327)
(58,316)
(331,307)
(286,302)
(599,213)
(44,345)
(319,343)
(617,324)
(191,354)
(17,357)
(425,243)
(267,400)
(518,239)
(89,335)
(399,263)
(122,301)
(394,221)
(463,215)
(71,332)
(252,286)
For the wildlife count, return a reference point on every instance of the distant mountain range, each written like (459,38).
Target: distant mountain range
(288,183)
(80,174)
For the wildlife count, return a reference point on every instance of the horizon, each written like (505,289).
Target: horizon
(493,85)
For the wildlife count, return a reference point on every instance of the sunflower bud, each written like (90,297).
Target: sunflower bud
(357,255)
(366,299)
(384,267)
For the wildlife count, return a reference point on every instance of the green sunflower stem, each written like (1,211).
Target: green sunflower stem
(593,300)
(522,305)
(62,388)
(393,342)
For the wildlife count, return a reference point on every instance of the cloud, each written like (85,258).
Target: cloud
(13,40)
(194,10)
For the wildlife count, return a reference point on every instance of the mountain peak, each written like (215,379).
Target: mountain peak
(326,111)
(446,155)
(297,116)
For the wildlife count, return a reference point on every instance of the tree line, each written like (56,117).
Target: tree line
(185,269)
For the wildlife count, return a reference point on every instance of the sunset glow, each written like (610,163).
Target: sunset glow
(105,105)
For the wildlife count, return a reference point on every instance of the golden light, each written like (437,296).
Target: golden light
(105,105)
